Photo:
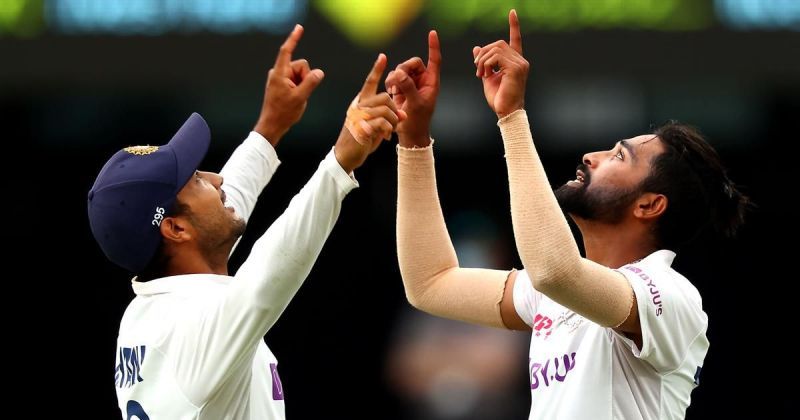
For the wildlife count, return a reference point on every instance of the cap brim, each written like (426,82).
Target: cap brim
(190,145)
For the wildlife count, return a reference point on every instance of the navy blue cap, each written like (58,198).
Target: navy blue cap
(135,189)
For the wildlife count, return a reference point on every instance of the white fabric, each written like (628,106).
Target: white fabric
(247,172)
(191,346)
(580,370)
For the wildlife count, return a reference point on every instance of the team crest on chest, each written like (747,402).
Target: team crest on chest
(141,150)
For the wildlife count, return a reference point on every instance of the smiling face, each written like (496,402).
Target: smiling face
(608,182)
(203,202)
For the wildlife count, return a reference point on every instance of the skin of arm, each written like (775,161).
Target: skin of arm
(432,278)
(223,333)
(544,241)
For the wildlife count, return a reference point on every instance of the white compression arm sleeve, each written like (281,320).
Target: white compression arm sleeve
(432,278)
(545,243)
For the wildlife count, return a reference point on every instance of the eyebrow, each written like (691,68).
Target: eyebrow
(627,145)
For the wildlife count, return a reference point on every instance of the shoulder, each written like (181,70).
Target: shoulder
(656,272)
(661,287)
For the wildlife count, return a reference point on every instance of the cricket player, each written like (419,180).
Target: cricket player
(190,344)
(618,334)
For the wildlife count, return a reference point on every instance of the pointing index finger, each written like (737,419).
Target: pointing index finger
(285,53)
(434,52)
(374,78)
(515,37)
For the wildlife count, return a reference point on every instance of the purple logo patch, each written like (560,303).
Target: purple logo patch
(277,387)
(654,292)
(539,370)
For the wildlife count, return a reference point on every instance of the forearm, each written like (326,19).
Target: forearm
(537,219)
(432,278)
(282,258)
(222,333)
(544,240)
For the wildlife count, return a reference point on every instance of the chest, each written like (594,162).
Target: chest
(553,323)
(560,336)
(564,346)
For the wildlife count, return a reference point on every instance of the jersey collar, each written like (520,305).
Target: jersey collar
(662,256)
(186,283)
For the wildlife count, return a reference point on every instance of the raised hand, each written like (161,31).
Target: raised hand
(371,118)
(503,70)
(415,88)
(289,85)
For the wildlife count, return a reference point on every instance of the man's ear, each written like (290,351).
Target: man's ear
(650,206)
(176,229)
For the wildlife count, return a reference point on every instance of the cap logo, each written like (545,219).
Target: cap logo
(141,150)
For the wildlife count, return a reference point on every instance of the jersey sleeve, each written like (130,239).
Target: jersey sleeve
(247,172)
(526,298)
(223,334)
(670,314)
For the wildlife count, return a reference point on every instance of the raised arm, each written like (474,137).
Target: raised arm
(432,278)
(544,241)
(225,332)
(288,87)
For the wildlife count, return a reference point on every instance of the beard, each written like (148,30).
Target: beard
(601,204)
(238,226)
(219,232)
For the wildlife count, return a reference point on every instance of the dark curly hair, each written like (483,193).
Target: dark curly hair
(699,193)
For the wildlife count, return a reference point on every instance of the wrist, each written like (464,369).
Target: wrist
(345,161)
(269,130)
(502,118)
(411,140)
(510,110)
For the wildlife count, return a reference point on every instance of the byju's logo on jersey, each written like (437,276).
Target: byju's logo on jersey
(555,369)
(655,294)
(129,364)
(277,386)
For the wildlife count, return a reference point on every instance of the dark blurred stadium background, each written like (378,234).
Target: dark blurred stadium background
(80,79)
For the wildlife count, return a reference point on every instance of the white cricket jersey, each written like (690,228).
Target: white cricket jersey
(191,346)
(581,370)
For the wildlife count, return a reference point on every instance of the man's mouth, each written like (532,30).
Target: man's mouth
(580,178)
(224,198)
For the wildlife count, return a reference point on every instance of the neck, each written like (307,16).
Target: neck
(194,261)
(614,245)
